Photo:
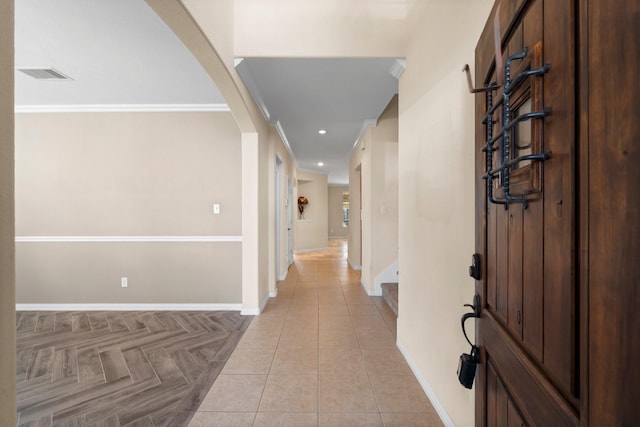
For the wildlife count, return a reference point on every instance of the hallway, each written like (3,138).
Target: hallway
(322,353)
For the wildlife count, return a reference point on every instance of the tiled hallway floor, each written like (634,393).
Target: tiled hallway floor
(322,353)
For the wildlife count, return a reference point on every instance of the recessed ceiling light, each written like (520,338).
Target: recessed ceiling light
(322,131)
(320,164)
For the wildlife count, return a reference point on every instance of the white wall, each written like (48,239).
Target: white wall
(280,269)
(130,175)
(437,198)
(311,228)
(376,159)
(384,196)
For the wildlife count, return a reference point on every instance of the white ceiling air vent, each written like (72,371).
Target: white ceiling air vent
(44,74)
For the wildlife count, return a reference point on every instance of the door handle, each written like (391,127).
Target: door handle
(468,362)
(475,314)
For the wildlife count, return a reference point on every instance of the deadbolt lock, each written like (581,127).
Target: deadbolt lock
(474,269)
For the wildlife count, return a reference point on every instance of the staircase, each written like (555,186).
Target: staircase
(390,295)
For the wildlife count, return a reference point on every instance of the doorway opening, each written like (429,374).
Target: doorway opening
(345,209)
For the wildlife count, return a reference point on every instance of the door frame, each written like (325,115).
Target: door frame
(289,205)
(278,217)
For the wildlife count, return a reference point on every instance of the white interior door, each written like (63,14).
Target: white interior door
(278,201)
(289,221)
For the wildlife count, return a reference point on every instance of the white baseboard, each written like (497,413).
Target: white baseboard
(274,293)
(442,413)
(256,311)
(388,275)
(128,307)
(264,302)
(303,251)
(370,292)
(283,276)
(353,266)
(374,292)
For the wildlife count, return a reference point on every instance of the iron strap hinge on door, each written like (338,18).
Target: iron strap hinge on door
(504,138)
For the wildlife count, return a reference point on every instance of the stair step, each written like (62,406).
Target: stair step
(390,295)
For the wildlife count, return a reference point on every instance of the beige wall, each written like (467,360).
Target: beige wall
(128,174)
(384,197)
(218,26)
(158,273)
(336,228)
(354,255)
(436,214)
(205,29)
(377,157)
(7,279)
(311,231)
(208,31)
(360,226)
(265,195)
(319,28)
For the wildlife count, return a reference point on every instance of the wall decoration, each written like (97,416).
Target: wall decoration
(302,202)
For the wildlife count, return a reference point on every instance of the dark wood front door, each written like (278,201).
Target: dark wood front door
(526,186)
(558,214)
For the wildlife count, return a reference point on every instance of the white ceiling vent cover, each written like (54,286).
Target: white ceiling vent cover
(44,73)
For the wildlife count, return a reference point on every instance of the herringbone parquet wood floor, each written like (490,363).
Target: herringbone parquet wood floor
(119,368)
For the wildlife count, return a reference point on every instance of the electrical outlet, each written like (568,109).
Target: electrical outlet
(124,282)
(216,208)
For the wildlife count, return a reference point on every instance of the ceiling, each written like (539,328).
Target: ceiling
(120,53)
(301,96)
(116,52)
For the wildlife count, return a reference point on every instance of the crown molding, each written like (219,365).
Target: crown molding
(312,171)
(252,87)
(398,68)
(285,141)
(368,123)
(122,108)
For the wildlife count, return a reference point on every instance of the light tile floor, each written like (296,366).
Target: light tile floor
(322,353)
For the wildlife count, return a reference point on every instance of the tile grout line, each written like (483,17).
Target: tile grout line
(306,285)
